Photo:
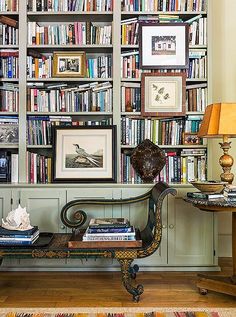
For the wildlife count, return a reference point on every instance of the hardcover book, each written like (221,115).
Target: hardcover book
(108,222)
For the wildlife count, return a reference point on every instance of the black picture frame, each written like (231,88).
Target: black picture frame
(84,154)
(164,45)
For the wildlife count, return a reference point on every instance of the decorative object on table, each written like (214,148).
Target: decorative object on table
(220,121)
(17,230)
(163,45)
(17,219)
(148,160)
(69,64)
(212,187)
(84,153)
(163,94)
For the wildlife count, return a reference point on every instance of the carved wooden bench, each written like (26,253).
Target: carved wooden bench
(150,235)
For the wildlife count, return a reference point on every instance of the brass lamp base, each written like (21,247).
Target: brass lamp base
(226,162)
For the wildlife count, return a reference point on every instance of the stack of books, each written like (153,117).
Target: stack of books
(18,237)
(109,229)
(211,197)
(230,193)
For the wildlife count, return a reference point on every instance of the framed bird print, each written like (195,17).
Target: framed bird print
(163,94)
(84,154)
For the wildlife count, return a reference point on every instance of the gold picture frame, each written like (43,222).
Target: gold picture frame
(69,64)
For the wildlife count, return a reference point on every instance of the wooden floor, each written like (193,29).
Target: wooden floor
(80,289)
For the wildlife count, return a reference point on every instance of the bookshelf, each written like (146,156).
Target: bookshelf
(37,18)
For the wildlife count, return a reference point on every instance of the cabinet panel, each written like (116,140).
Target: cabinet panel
(5,202)
(44,207)
(190,233)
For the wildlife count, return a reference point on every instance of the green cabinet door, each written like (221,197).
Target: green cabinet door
(190,233)
(5,202)
(44,206)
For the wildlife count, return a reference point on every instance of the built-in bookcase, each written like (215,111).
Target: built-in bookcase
(109,92)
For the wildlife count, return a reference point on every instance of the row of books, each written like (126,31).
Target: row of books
(196,97)
(39,128)
(197,68)
(130,64)
(97,67)
(130,97)
(180,168)
(8,35)
(9,5)
(163,5)
(197,28)
(8,167)
(18,237)
(109,229)
(39,168)
(78,33)
(9,97)
(69,5)
(130,31)
(198,31)
(159,131)
(9,65)
(192,123)
(130,68)
(87,97)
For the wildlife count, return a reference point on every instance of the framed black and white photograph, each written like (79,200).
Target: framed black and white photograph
(84,154)
(9,133)
(163,94)
(69,64)
(163,45)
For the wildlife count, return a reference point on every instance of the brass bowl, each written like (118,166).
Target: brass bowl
(209,187)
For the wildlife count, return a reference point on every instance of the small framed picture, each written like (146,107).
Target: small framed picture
(163,94)
(84,154)
(190,138)
(69,64)
(9,133)
(163,45)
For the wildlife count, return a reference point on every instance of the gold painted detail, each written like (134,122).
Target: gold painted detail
(50,254)
(105,254)
(126,254)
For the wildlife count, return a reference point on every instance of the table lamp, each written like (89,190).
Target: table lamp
(219,120)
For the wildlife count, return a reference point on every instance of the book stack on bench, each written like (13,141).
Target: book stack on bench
(107,233)
(18,237)
(109,229)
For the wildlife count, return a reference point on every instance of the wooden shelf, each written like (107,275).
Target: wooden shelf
(80,113)
(51,13)
(77,79)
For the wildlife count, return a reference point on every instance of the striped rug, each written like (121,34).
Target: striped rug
(118,312)
(147,314)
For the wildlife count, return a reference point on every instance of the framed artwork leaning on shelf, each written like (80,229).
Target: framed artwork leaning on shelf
(84,154)
(163,94)
(191,138)
(69,64)
(164,45)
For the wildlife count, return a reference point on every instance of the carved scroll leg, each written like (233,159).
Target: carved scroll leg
(126,279)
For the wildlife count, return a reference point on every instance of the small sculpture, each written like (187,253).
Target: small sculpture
(148,160)
(17,219)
